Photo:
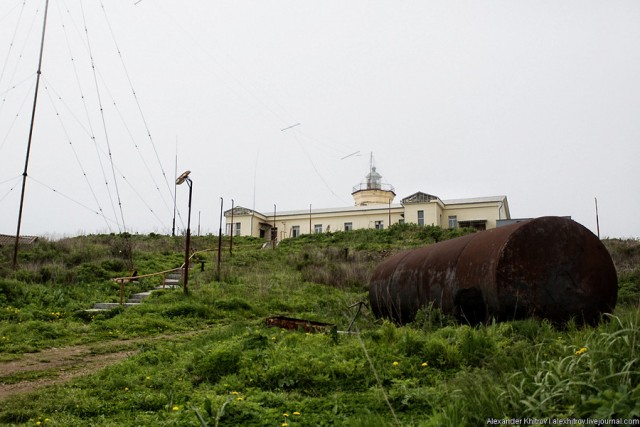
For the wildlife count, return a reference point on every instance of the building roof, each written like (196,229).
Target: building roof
(488,199)
(337,210)
(7,240)
(418,197)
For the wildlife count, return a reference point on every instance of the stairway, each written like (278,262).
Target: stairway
(172,280)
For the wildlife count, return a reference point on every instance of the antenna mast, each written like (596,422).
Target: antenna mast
(173,227)
(33,116)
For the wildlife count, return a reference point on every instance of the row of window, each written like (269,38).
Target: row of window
(348,226)
(317,228)
(236,229)
(453,220)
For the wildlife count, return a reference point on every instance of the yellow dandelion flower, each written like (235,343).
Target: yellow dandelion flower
(581,351)
(285,415)
(240,398)
(38,423)
(235,393)
(296,413)
(176,408)
(424,364)
(273,338)
(126,389)
(395,363)
(284,424)
(46,420)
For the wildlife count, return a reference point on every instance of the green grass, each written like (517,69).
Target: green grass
(217,363)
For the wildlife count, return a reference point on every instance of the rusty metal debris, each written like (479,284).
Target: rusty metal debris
(298,324)
(549,267)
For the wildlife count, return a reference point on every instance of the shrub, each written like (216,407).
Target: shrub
(213,363)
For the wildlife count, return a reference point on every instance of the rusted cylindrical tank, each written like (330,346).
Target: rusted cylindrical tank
(549,267)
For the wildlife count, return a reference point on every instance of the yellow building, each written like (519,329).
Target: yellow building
(374,208)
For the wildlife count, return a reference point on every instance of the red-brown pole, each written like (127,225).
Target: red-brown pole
(33,116)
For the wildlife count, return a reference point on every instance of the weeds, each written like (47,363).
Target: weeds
(233,370)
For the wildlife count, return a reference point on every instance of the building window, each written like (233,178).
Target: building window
(348,226)
(421,218)
(379,225)
(317,228)
(453,221)
(236,229)
(477,224)
(295,231)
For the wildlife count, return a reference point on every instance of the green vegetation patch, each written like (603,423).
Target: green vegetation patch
(207,357)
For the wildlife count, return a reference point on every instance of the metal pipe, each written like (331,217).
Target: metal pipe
(231,234)
(188,243)
(220,240)
(274,232)
(175,187)
(597,219)
(31,126)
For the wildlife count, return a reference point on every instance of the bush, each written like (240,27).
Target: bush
(213,363)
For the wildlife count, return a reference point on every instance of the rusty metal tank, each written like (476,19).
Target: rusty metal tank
(548,267)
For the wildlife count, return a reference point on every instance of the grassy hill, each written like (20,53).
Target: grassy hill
(218,363)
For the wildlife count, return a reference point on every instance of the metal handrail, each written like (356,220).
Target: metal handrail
(369,186)
(128,279)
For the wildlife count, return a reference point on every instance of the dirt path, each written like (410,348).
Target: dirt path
(33,371)
(54,366)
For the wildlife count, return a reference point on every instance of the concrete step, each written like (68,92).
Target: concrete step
(111,305)
(95,310)
(173,280)
(168,286)
(139,297)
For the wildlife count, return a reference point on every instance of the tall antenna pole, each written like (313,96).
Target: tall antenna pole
(33,116)
(231,230)
(173,227)
(220,240)
(597,219)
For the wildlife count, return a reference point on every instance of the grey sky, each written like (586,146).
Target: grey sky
(537,100)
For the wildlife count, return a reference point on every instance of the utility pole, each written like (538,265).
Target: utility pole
(175,186)
(220,239)
(33,116)
(182,178)
(274,230)
(597,219)
(231,230)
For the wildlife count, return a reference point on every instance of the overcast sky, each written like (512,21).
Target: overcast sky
(535,100)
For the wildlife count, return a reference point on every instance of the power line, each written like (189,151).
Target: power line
(71,199)
(75,153)
(137,101)
(104,123)
(15,118)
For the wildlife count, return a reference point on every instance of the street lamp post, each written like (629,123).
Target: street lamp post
(182,178)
